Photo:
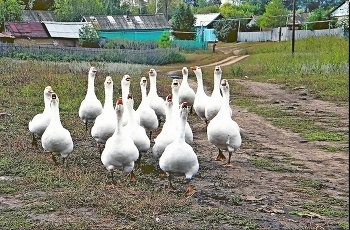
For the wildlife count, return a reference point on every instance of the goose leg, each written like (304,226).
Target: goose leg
(229,164)
(190,190)
(221,156)
(34,141)
(132,176)
(138,161)
(150,135)
(169,181)
(159,122)
(54,159)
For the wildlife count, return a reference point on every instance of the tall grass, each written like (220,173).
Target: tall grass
(321,64)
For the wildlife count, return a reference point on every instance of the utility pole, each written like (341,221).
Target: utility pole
(293,29)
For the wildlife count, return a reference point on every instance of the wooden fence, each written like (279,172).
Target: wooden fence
(286,34)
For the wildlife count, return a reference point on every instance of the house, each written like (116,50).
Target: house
(37,16)
(129,27)
(205,26)
(44,33)
(299,20)
(342,11)
(64,33)
(27,33)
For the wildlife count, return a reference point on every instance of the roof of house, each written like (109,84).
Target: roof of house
(26,29)
(64,29)
(299,18)
(130,22)
(37,16)
(205,19)
(341,10)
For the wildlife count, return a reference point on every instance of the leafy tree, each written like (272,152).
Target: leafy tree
(224,30)
(260,4)
(10,10)
(183,22)
(275,14)
(73,10)
(319,17)
(229,10)
(88,36)
(164,41)
(207,10)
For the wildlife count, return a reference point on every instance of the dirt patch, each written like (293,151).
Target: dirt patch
(271,196)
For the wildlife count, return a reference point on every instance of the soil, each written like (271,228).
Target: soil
(274,199)
(270,196)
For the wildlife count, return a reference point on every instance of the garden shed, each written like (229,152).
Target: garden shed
(27,33)
(205,26)
(130,27)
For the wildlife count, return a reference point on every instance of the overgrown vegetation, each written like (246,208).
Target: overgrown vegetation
(40,195)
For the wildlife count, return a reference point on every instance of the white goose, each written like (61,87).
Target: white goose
(156,102)
(135,131)
(186,93)
(222,130)
(106,122)
(178,156)
(40,121)
(56,139)
(201,97)
(148,117)
(125,84)
(175,85)
(166,135)
(90,107)
(120,152)
(214,102)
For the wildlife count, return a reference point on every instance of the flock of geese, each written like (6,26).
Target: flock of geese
(123,135)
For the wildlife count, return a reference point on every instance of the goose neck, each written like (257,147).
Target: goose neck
(91,84)
(152,85)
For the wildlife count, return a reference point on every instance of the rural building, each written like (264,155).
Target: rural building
(129,27)
(205,26)
(43,33)
(27,33)
(37,16)
(64,33)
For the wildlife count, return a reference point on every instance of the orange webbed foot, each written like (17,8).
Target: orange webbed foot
(190,191)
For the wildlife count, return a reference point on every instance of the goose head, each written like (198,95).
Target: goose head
(152,72)
(169,100)
(217,70)
(126,80)
(130,101)
(143,81)
(108,81)
(119,106)
(185,71)
(224,85)
(184,109)
(47,93)
(92,71)
(48,90)
(54,99)
(175,85)
(197,70)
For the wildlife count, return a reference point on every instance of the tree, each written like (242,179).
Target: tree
(73,10)
(319,17)
(164,41)
(88,36)
(275,13)
(10,10)
(183,22)
(224,30)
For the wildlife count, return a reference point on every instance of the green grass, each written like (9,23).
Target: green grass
(268,165)
(322,69)
(47,190)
